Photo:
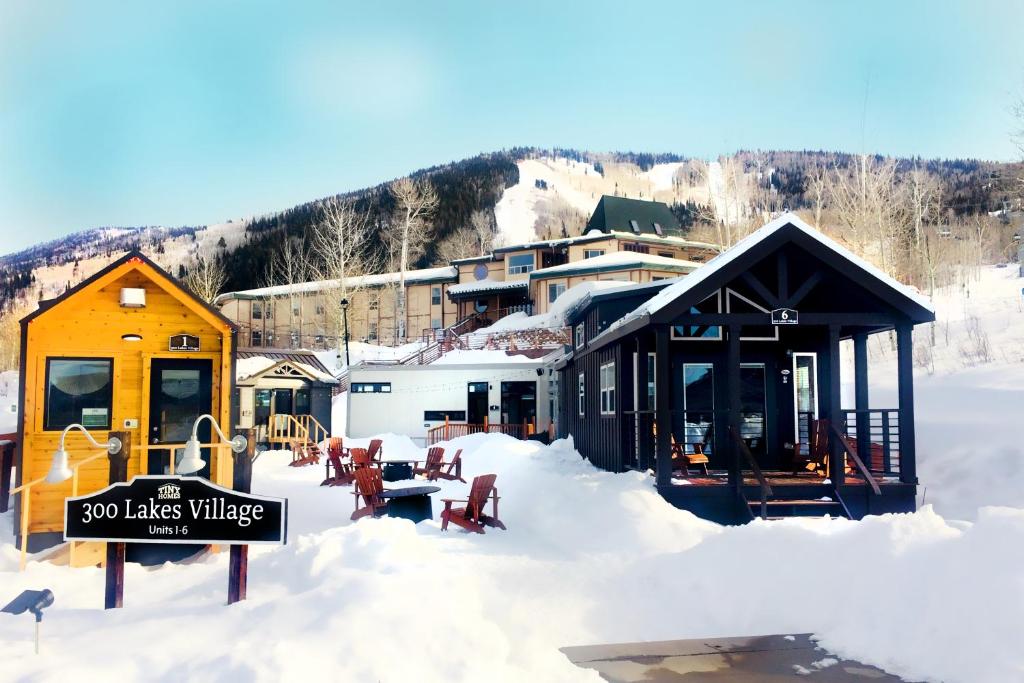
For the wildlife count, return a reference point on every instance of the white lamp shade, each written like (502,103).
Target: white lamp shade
(59,470)
(192,459)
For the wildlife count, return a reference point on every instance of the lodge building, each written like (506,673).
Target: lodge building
(736,368)
(625,239)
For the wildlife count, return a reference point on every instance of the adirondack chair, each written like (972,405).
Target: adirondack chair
(682,461)
(336,445)
(369,486)
(360,459)
(376,450)
(816,458)
(472,517)
(304,454)
(452,471)
(343,471)
(435,456)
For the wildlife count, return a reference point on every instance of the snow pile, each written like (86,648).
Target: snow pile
(516,211)
(555,317)
(360,352)
(588,557)
(247,367)
(8,401)
(481,356)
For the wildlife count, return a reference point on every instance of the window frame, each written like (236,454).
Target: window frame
(375,387)
(607,391)
(593,253)
(255,338)
(256,310)
(675,336)
(520,269)
(581,336)
(581,393)
(435,296)
(46,391)
(558,293)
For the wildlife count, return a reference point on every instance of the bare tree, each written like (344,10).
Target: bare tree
(340,243)
(287,268)
(207,277)
(410,229)
(476,238)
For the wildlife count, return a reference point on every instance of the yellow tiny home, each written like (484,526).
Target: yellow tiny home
(129,349)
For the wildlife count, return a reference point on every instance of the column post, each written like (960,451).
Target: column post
(862,401)
(905,375)
(238,559)
(732,383)
(113,594)
(836,471)
(663,406)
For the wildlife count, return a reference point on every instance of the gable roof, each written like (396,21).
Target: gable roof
(252,368)
(131,261)
(294,355)
(616,214)
(614,261)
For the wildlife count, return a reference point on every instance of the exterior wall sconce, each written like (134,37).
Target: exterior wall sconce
(59,470)
(192,459)
(131,337)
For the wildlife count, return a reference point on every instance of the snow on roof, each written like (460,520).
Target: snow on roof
(751,241)
(486,285)
(618,259)
(426,274)
(250,367)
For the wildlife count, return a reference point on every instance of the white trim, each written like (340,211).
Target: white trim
(730,291)
(581,339)
(581,393)
(814,385)
(607,392)
(672,330)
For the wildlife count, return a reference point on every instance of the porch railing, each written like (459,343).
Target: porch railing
(765,488)
(857,462)
(881,428)
(453,430)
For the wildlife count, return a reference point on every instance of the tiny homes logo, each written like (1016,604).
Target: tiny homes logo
(168,492)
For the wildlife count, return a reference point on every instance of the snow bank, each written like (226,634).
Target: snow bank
(588,557)
(555,317)
(481,356)
(334,359)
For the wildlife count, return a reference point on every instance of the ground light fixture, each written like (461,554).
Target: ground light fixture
(34,602)
(59,470)
(192,459)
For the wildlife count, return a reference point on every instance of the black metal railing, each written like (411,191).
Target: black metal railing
(875,435)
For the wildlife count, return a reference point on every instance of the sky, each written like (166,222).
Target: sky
(189,113)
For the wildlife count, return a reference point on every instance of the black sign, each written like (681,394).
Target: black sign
(183,342)
(174,509)
(785,316)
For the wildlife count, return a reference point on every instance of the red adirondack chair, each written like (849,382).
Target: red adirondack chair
(451,471)
(376,449)
(435,456)
(369,486)
(360,459)
(336,445)
(816,459)
(304,454)
(472,517)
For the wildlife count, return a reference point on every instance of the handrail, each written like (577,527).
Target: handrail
(864,471)
(766,489)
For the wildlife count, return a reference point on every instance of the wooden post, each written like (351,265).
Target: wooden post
(114,589)
(6,465)
(833,402)
(446,426)
(732,383)
(642,405)
(238,560)
(905,375)
(663,407)
(861,400)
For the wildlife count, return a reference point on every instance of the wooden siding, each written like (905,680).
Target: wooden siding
(597,437)
(90,323)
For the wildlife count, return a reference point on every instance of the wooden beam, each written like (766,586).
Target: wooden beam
(663,406)
(879,320)
(804,289)
(905,377)
(834,406)
(861,400)
(113,594)
(732,383)
(761,290)
(782,271)
(644,421)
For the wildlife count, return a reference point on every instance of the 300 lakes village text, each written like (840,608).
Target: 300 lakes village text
(209,509)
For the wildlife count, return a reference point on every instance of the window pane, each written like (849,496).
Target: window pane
(78,390)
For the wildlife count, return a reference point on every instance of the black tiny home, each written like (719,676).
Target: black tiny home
(739,362)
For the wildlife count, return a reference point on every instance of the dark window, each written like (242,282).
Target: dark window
(302,402)
(373,331)
(435,296)
(257,310)
(520,263)
(257,338)
(320,310)
(666,254)
(555,290)
(657,229)
(635,226)
(78,390)
(638,248)
(270,310)
(440,415)
(579,336)
(371,388)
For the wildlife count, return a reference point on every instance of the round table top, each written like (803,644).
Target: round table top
(410,491)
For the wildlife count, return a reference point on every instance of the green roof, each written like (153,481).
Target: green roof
(620,213)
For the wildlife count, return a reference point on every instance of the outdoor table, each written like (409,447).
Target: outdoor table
(396,470)
(411,503)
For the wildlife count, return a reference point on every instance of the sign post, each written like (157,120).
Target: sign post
(113,594)
(238,561)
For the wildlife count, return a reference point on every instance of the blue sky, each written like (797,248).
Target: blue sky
(195,112)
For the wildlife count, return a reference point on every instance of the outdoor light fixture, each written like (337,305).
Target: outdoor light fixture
(344,317)
(33,602)
(192,459)
(131,337)
(59,470)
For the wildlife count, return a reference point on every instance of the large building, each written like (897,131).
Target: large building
(625,239)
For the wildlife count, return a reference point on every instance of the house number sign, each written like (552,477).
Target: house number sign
(785,316)
(183,342)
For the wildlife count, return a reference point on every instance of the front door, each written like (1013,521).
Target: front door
(179,392)
(476,403)
(282,401)
(753,411)
(518,402)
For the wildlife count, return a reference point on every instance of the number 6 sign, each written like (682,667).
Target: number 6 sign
(785,316)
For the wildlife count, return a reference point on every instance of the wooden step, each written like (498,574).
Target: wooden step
(809,502)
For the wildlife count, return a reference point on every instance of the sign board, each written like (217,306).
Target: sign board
(785,316)
(183,342)
(94,417)
(175,509)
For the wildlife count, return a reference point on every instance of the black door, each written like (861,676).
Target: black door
(302,401)
(179,392)
(282,401)
(476,403)
(518,402)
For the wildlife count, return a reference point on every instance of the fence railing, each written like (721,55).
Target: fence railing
(879,429)
(285,429)
(453,430)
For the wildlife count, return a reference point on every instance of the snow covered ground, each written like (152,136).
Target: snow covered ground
(588,557)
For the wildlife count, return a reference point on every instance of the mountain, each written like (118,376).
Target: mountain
(529,192)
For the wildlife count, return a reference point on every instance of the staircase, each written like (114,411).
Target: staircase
(303,434)
(782,508)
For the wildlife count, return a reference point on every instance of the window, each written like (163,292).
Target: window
(257,310)
(318,340)
(608,389)
(372,331)
(435,323)
(78,390)
(580,392)
(256,338)
(555,290)
(635,226)
(652,380)
(440,415)
(520,263)
(579,336)
(636,248)
(666,254)
(737,303)
(270,339)
(296,310)
(658,278)
(713,304)
(294,338)
(591,253)
(658,230)
(269,310)
(435,296)
(371,387)
(374,303)
(320,310)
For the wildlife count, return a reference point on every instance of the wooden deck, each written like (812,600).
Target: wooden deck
(721,478)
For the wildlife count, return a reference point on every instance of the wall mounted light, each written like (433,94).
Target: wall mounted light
(192,459)
(131,337)
(59,470)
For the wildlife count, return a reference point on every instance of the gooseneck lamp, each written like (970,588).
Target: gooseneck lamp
(192,459)
(59,470)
